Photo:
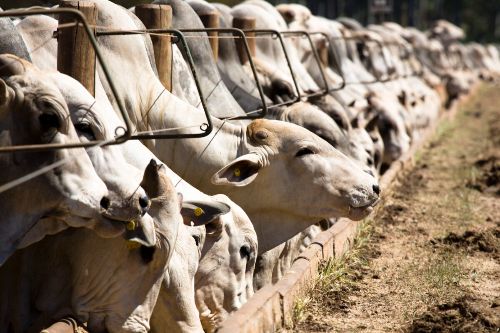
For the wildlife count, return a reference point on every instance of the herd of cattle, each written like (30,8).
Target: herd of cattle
(173,235)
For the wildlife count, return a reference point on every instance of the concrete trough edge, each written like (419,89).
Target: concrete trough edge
(271,308)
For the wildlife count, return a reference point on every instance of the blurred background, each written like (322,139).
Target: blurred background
(479,18)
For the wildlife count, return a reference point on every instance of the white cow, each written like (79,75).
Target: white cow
(32,110)
(241,160)
(98,117)
(178,284)
(111,286)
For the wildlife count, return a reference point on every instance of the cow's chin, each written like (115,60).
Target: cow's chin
(359,213)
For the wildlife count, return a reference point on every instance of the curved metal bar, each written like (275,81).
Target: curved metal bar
(126,135)
(259,113)
(336,60)
(325,90)
(360,39)
(278,35)
(205,128)
(405,58)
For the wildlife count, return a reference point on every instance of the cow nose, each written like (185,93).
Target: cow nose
(144,202)
(105,202)
(376,189)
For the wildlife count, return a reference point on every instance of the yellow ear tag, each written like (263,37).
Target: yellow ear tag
(198,212)
(131,245)
(131,225)
(237,172)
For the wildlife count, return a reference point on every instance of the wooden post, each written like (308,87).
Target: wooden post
(245,23)
(156,16)
(211,20)
(75,54)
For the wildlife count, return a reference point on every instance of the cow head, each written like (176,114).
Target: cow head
(225,275)
(32,111)
(282,155)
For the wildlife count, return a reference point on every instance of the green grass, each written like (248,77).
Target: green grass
(337,274)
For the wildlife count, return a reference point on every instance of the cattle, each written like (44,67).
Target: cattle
(239,160)
(394,131)
(224,280)
(32,111)
(178,286)
(99,118)
(111,286)
(156,253)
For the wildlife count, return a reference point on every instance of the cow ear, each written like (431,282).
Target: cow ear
(402,98)
(196,213)
(282,89)
(12,65)
(6,95)
(355,122)
(240,172)
(372,123)
(288,15)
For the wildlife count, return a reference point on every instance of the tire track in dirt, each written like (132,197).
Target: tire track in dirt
(431,261)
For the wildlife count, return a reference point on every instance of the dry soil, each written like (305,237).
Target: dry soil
(430,259)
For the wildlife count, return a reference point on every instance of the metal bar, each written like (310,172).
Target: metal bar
(361,39)
(278,35)
(205,128)
(336,61)
(405,58)
(122,133)
(325,90)
(260,113)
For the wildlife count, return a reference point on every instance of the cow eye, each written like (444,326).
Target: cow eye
(85,129)
(49,121)
(304,151)
(245,252)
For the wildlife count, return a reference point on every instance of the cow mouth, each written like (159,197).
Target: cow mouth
(360,212)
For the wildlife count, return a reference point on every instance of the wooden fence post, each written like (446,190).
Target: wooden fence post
(156,16)
(75,54)
(211,20)
(245,23)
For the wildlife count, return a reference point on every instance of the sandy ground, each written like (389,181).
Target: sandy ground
(431,261)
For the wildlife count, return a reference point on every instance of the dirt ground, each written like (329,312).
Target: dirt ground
(430,260)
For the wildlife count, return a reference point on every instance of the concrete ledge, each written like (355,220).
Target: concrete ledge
(262,313)
(272,307)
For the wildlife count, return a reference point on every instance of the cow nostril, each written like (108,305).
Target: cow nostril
(144,202)
(105,202)
(376,189)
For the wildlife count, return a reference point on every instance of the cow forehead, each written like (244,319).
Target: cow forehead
(34,85)
(282,135)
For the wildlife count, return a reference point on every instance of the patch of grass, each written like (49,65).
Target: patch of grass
(443,130)
(299,308)
(443,273)
(434,278)
(337,275)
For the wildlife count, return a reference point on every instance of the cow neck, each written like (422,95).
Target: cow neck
(269,222)
(193,159)
(19,215)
